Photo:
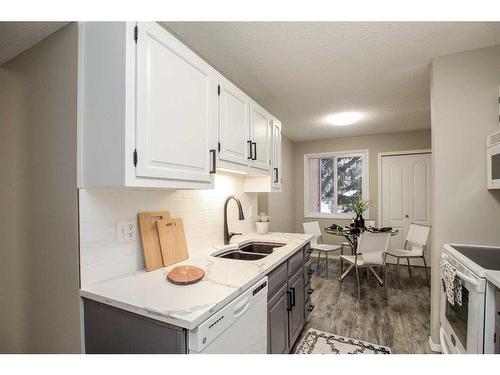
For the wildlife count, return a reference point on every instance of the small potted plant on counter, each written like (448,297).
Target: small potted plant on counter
(262,223)
(359,206)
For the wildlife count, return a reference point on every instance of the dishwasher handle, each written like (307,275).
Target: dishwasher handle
(241,307)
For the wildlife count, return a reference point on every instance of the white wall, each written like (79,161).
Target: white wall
(464,111)
(413,140)
(102,257)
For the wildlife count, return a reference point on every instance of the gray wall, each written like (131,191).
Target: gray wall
(464,111)
(39,273)
(281,206)
(413,140)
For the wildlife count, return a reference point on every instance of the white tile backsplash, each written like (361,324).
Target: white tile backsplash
(102,257)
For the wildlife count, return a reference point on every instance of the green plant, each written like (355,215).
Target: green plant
(359,206)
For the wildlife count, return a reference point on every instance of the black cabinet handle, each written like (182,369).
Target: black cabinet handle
(310,272)
(293,297)
(288,300)
(250,153)
(310,308)
(254,155)
(310,291)
(213,170)
(275,174)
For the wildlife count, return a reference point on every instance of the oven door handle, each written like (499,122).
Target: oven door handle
(442,339)
(469,279)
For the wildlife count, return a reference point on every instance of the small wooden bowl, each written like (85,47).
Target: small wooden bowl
(185,275)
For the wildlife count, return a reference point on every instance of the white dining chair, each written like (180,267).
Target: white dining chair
(414,247)
(368,223)
(313,228)
(371,251)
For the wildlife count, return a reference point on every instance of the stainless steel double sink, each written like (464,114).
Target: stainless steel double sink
(250,251)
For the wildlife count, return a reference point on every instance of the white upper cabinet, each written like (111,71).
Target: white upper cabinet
(153,114)
(277,173)
(234,124)
(176,104)
(272,182)
(244,133)
(261,137)
(147,109)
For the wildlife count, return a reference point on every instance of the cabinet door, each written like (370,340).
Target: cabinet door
(276,155)
(296,316)
(260,136)
(234,124)
(277,322)
(176,108)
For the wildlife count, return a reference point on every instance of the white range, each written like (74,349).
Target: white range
(469,327)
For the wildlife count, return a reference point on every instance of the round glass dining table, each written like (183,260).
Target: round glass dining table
(352,235)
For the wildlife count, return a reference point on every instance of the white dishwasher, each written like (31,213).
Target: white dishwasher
(240,327)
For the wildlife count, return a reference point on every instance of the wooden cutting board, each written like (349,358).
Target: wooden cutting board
(150,239)
(172,241)
(185,275)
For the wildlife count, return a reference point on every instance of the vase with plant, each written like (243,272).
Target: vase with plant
(262,223)
(359,206)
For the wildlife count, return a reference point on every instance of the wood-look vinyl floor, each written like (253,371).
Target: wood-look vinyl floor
(402,322)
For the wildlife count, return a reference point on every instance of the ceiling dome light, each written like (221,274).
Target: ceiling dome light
(344,118)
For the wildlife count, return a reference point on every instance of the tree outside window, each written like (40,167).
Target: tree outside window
(335,181)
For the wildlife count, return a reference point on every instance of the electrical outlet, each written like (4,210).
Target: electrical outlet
(126,231)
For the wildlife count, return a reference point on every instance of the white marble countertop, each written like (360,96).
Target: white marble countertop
(493,277)
(151,295)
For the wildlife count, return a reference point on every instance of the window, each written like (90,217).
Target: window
(334,180)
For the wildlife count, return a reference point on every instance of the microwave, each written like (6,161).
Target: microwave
(493,161)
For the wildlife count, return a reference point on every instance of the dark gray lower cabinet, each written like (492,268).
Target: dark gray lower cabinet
(286,306)
(296,315)
(277,320)
(109,330)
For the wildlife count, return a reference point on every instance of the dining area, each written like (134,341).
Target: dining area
(367,247)
(367,288)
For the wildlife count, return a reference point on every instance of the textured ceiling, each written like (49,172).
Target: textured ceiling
(17,37)
(303,71)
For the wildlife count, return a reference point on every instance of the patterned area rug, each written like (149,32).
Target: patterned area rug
(318,342)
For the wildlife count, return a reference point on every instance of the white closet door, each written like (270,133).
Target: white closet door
(420,188)
(406,193)
(395,197)
(261,137)
(234,124)
(176,108)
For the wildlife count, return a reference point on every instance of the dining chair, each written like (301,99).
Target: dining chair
(313,228)
(414,247)
(368,223)
(371,251)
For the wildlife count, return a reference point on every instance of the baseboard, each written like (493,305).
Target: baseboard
(434,347)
